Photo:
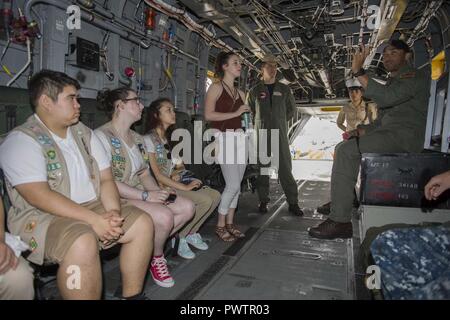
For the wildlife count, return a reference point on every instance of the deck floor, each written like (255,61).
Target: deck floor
(276,260)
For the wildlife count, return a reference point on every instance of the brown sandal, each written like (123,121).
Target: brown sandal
(231,228)
(224,235)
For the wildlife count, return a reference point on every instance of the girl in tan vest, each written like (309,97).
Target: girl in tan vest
(169,173)
(133,178)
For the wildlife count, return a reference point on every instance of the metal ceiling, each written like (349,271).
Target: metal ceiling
(313,39)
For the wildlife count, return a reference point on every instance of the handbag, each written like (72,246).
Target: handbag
(187,176)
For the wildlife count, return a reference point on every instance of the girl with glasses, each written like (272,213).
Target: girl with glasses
(133,178)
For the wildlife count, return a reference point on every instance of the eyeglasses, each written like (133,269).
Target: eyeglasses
(137,99)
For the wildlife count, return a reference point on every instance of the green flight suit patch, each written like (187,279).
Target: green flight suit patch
(407,75)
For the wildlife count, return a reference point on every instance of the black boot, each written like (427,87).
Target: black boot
(295,209)
(355,200)
(330,229)
(139,296)
(262,208)
(324,209)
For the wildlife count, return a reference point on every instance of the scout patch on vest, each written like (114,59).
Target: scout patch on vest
(29,227)
(278,94)
(116,143)
(53,166)
(44,140)
(33,244)
(118,162)
(160,153)
(51,154)
(118,158)
(117,173)
(407,75)
(262,95)
(144,154)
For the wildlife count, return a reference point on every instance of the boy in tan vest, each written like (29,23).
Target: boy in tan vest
(65,204)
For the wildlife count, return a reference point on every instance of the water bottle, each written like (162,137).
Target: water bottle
(246,121)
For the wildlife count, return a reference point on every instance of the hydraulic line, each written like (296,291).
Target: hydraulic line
(27,64)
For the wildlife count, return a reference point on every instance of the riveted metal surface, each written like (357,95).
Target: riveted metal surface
(289,260)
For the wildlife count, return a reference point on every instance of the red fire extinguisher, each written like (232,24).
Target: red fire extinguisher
(150,18)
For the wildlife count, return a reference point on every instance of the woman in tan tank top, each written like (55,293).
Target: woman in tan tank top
(223,107)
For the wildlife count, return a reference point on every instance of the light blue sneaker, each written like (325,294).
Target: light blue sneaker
(184,251)
(197,241)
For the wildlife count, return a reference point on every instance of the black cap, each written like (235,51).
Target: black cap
(399,44)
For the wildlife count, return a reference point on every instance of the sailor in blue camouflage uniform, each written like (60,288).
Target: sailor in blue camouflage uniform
(414,263)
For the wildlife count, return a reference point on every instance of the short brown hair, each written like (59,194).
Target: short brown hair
(50,83)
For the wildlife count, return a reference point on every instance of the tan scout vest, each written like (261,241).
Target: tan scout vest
(165,165)
(120,160)
(28,222)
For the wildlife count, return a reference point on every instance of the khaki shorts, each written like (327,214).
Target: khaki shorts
(63,232)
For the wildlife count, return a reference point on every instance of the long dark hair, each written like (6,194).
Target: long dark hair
(107,98)
(221,59)
(153,120)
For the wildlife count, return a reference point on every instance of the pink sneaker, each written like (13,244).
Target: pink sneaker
(160,272)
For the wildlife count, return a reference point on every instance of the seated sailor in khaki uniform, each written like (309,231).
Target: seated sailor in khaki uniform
(133,178)
(357,111)
(65,203)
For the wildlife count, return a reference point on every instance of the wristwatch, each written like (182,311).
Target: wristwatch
(359,73)
(144,195)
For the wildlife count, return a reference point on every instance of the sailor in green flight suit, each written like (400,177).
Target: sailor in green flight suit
(273,104)
(400,127)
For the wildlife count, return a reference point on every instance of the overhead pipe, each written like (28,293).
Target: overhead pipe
(41,41)
(90,18)
(90,5)
(317,103)
(27,64)
(184,17)
(430,12)
(324,77)
(6,11)
(124,80)
(170,77)
(234,25)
